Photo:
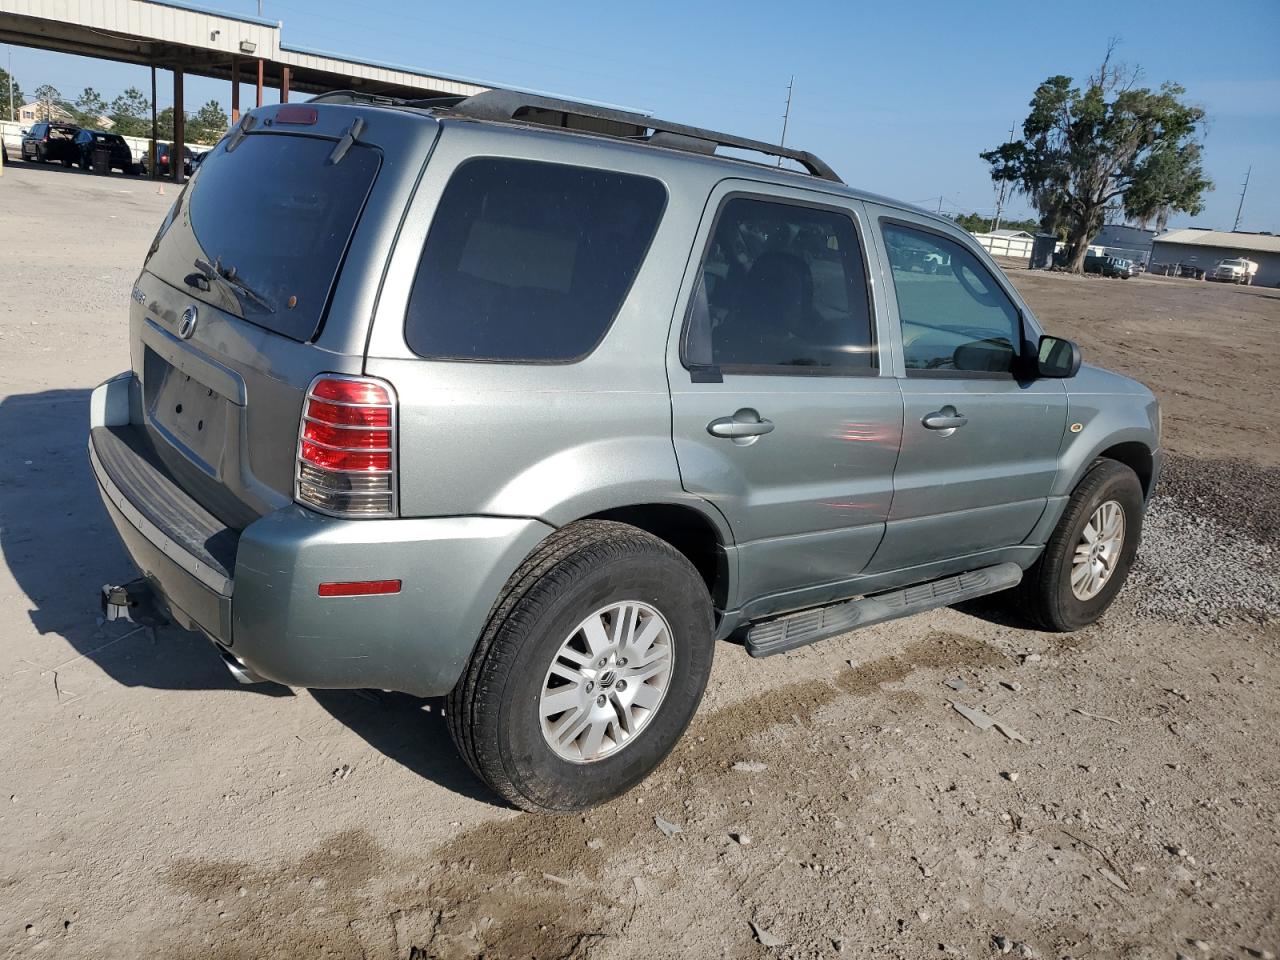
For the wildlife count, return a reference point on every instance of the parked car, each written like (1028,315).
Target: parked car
(50,141)
(1109,266)
(89,141)
(408,411)
(1234,270)
(163,151)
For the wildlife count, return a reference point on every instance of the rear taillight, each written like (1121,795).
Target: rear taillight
(347,447)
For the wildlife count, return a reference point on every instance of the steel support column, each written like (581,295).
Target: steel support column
(235,90)
(155,128)
(260,69)
(177,150)
(284,84)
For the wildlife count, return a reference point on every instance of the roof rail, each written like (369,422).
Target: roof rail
(508,105)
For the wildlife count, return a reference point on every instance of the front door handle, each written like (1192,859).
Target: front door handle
(948,419)
(744,427)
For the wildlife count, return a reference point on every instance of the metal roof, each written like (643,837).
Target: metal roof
(1231,240)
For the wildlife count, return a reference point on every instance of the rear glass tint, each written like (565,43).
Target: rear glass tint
(529,261)
(276,216)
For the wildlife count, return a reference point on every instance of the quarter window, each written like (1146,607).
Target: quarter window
(954,316)
(782,290)
(529,261)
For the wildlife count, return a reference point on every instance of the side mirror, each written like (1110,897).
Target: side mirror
(1057,358)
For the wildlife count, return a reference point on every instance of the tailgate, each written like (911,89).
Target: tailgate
(262,276)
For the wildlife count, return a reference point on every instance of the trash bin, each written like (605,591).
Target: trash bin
(101,160)
(1042,251)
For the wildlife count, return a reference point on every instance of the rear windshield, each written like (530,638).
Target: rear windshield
(529,261)
(261,231)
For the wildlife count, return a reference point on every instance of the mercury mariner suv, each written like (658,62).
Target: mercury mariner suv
(528,402)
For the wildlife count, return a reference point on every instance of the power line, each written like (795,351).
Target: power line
(1243,190)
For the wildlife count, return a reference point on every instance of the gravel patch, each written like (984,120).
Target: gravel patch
(1210,545)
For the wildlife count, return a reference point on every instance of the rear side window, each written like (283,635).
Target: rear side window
(529,261)
(782,291)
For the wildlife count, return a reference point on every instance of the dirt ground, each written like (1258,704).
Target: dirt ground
(830,802)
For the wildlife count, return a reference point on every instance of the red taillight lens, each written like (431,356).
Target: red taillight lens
(351,391)
(331,436)
(344,459)
(346,447)
(349,416)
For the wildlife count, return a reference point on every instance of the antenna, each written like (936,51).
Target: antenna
(1243,190)
(786,115)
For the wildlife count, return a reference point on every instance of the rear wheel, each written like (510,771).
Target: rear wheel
(591,666)
(1087,559)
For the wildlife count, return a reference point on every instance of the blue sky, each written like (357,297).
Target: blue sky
(898,98)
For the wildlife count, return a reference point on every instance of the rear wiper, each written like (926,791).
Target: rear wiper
(216,271)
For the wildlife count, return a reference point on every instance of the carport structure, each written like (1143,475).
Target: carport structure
(187,39)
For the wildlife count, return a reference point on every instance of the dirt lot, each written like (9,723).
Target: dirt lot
(150,807)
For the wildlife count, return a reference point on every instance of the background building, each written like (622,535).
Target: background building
(1118,240)
(1204,248)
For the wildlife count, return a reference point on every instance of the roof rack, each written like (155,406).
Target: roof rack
(507,106)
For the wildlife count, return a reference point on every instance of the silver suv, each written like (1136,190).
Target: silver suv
(527,402)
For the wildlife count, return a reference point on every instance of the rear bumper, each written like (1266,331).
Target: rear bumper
(256,592)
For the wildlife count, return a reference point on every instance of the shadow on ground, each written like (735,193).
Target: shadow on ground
(61,548)
(409,730)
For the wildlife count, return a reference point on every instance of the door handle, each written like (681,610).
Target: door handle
(745,426)
(948,418)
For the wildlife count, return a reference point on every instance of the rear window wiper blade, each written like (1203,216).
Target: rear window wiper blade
(216,271)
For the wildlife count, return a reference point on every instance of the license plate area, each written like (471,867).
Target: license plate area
(188,413)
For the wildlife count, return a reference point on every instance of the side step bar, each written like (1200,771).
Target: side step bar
(808,626)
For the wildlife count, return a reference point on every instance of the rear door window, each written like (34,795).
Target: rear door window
(529,261)
(275,216)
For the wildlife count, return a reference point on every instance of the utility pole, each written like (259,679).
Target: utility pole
(259,9)
(11,84)
(1003,185)
(939,204)
(786,115)
(1243,191)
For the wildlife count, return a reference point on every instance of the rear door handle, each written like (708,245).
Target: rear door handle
(948,418)
(745,426)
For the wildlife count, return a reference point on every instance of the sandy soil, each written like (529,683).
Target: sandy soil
(150,807)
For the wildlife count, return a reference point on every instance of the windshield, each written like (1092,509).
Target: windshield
(274,217)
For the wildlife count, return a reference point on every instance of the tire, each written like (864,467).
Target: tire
(495,711)
(1046,594)
(68,163)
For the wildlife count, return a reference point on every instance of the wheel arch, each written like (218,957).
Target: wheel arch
(1135,455)
(689,530)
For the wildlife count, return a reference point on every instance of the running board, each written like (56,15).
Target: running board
(808,626)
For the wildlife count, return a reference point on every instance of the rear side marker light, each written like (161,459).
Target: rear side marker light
(359,588)
(346,454)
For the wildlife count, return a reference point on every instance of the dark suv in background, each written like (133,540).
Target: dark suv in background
(48,140)
(163,151)
(88,142)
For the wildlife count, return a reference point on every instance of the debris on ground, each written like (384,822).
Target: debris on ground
(984,722)
(1112,878)
(750,766)
(766,938)
(667,827)
(956,684)
(742,839)
(1096,716)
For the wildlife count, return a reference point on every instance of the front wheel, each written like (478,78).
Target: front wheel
(1088,557)
(592,664)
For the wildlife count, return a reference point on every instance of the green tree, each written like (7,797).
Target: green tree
(17,98)
(90,107)
(49,99)
(208,124)
(164,124)
(1083,149)
(131,114)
